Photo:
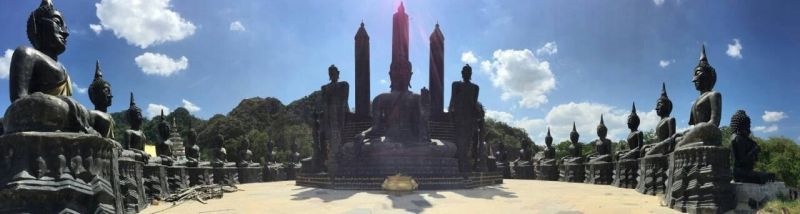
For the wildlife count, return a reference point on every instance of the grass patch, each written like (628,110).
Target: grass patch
(782,207)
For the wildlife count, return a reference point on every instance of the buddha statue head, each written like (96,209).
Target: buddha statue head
(663,105)
(740,123)
(333,73)
(134,115)
(704,75)
(573,136)
(602,131)
(163,127)
(548,140)
(47,30)
(466,73)
(100,90)
(633,119)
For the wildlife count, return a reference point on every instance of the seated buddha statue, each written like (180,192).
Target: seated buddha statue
(602,145)
(219,154)
(575,155)
(635,138)
(399,125)
(745,152)
(549,151)
(163,149)
(100,95)
(704,115)
(192,150)
(246,155)
(134,137)
(40,87)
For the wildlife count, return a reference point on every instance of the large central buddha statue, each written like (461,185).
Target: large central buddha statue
(400,117)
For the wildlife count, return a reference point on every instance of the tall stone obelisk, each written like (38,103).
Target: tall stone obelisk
(362,73)
(400,69)
(436,73)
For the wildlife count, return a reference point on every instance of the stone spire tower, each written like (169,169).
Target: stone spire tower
(436,72)
(362,72)
(400,69)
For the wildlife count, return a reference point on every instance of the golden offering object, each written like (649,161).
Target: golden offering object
(399,183)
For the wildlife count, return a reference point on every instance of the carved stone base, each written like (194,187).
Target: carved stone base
(415,166)
(226,175)
(547,172)
(572,172)
(56,172)
(524,171)
(155,182)
(750,197)
(200,176)
(599,173)
(133,198)
(177,178)
(652,175)
(625,173)
(250,174)
(463,181)
(700,180)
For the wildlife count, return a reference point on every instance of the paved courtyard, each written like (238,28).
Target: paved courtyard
(530,196)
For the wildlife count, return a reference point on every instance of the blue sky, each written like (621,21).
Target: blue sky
(539,63)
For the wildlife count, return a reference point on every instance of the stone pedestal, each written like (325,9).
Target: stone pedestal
(131,177)
(200,176)
(155,181)
(599,173)
(177,178)
(250,174)
(652,175)
(700,180)
(46,172)
(524,171)
(572,172)
(547,172)
(226,175)
(751,197)
(625,173)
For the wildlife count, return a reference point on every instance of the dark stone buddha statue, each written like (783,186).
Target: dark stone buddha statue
(220,156)
(575,154)
(246,155)
(163,149)
(192,149)
(40,87)
(666,126)
(549,150)
(100,95)
(704,115)
(134,137)
(602,145)
(334,111)
(464,109)
(635,139)
(525,153)
(745,152)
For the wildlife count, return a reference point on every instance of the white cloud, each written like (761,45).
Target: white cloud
(160,64)
(658,2)
(664,63)
(735,49)
(518,73)
(468,58)
(549,48)
(586,117)
(190,106)
(773,116)
(5,63)
(155,110)
(766,129)
(96,28)
(500,116)
(78,88)
(237,26)
(143,22)
(384,82)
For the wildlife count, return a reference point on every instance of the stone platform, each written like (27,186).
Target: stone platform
(426,182)
(528,196)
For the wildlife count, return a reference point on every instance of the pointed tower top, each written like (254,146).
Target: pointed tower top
(362,32)
(401,8)
(437,34)
(98,73)
(132,103)
(703,57)
(633,109)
